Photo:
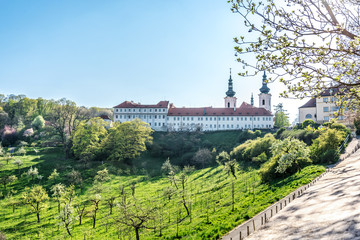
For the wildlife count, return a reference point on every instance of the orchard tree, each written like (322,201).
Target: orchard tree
(58,191)
(5,180)
(67,217)
(308,45)
(135,215)
(203,156)
(54,176)
(127,140)
(36,198)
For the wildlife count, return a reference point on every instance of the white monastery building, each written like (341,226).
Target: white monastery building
(166,117)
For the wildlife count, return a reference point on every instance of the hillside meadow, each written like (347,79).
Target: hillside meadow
(216,201)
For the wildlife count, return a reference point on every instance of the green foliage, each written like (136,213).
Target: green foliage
(38,122)
(208,195)
(288,156)
(330,139)
(88,136)
(308,122)
(36,198)
(126,140)
(222,158)
(281,120)
(253,148)
(305,135)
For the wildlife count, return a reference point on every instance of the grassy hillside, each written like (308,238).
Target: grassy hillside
(208,194)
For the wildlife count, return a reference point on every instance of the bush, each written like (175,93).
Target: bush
(331,139)
(279,132)
(301,134)
(329,156)
(8,136)
(253,148)
(308,122)
(38,122)
(288,157)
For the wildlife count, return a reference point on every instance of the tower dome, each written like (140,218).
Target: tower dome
(264,89)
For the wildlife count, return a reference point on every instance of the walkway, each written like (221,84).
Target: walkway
(330,209)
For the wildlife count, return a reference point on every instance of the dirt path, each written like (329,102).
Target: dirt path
(328,210)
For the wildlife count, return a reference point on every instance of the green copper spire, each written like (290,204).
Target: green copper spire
(230,92)
(264,88)
(252,99)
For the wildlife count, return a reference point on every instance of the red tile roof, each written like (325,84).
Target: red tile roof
(244,110)
(128,104)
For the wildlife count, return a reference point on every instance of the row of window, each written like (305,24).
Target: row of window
(139,110)
(223,118)
(223,126)
(333,109)
(192,118)
(139,116)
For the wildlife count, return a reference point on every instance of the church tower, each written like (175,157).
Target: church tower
(230,100)
(265,96)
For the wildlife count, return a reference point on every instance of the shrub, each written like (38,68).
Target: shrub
(329,156)
(8,136)
(331,139)
(279,132)
(253,148)
(288,156)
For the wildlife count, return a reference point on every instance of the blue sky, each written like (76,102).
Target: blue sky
(100,53)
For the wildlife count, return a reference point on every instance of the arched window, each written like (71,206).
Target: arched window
(263,102)
(228,104)
(308,116)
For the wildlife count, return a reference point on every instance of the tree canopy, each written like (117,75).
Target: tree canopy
(127,140)
(308,45)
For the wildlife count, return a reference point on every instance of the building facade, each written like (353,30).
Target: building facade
(166,117)
(322,108)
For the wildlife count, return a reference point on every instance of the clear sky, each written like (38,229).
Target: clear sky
(101,53)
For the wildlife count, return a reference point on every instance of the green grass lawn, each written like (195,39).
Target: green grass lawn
(208,193)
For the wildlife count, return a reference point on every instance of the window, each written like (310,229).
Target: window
(116,116)
(192,119)
(155,116)
(250,119)
(263,102)
(164,110)
(232,118)
(210,119)
(150,110)
(241,119)
(227,118)
(245,119)
(258,119)
(144,110)
(155,124)
(227,126)
(163,116)
(206,119)
(232,126)
(308,116)
(326,118)
(228,104)
(120,117)
(326,99)
(155,110)
(134,110)
(223,118)
(188,118)
(326,109)
(334,108)
(183,118)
